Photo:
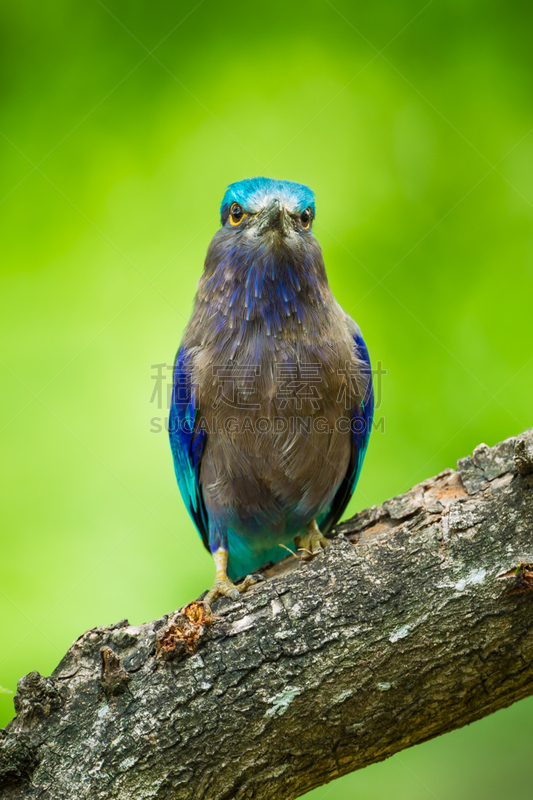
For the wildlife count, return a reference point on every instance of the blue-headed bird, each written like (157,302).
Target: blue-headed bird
(272,399)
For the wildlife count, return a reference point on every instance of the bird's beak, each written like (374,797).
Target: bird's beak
(273,218)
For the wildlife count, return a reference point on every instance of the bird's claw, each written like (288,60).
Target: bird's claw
(312,542)
(250,580)
(223,587)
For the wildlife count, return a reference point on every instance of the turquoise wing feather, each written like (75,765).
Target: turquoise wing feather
(362,416)
(187,443)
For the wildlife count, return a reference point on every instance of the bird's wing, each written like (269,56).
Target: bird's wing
(362,415)
(187,442)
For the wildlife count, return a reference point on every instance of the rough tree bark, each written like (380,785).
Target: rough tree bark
(417,619)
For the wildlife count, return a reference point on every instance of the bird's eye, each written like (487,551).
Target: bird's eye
(236,214)
(305,218)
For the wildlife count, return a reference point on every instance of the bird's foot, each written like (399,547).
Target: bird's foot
(312,542)
(223,587)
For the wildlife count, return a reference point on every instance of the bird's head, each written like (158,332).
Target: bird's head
(264,262)
(265,210)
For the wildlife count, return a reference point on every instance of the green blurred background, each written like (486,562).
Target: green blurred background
(121,125)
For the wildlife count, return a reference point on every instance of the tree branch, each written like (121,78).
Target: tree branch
(417,619)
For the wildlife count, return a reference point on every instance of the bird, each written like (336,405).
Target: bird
(272,397)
